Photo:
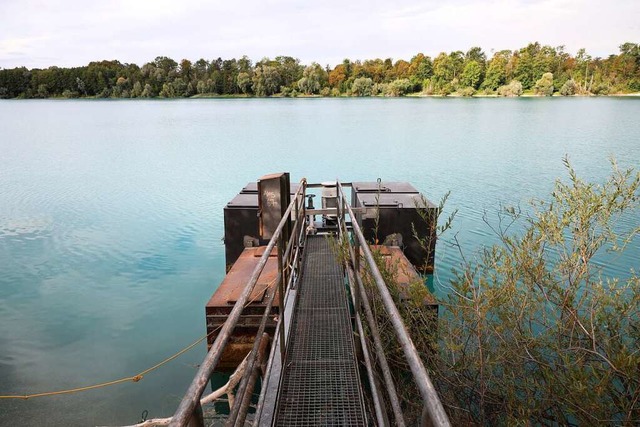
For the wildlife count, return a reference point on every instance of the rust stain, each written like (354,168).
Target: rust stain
(224,298)
(237,278)
(404,272)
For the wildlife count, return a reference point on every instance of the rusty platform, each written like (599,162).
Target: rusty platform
(404,273)
(221,303)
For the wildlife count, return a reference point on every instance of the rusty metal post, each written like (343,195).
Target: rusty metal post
(281,286)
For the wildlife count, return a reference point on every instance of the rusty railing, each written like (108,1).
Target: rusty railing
(189,412)
(431,401)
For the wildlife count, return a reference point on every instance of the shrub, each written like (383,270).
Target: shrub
(512,89)
(601,89)
(534,332)
(285,91)
(569,88)
(398,87)
(362,86)
(379,89)
(466,91)
(544,86)
(427,87)
(69,94)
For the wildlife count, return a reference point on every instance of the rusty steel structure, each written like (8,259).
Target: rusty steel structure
(301,315)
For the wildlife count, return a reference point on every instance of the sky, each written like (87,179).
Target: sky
(42,33)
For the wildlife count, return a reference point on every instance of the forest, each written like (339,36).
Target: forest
(535,69)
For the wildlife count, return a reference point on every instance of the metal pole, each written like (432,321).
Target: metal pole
(246,398)
(191,398)
(358,288)
(283,278)
(380,416)
(255,357)
(427,391)
(267,374)
(252,359)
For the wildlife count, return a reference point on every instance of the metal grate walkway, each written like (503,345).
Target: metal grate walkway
(321,386)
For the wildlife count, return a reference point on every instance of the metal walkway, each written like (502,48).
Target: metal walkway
(320,384)
(310,376)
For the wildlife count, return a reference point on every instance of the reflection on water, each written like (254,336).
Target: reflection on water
(111,214)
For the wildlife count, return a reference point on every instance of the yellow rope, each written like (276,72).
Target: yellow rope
(134,378)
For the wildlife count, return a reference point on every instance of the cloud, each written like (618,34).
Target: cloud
(73,32)
(19,46)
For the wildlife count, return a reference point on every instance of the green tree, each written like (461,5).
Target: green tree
(147,92)
(476,54)
(313,79)
(137,90)
(544,86)
(42,92)
(456,60)
(443,69)
(167,91)
(244,82)
(471,75)
(289,70)
(165,63)
(496,71)
(266,79)
(420,69)
(201,68)
(362,86)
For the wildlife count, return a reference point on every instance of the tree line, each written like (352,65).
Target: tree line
(543,70)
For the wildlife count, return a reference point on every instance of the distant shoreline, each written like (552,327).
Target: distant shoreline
(533,70)
(524,95)
(303,96)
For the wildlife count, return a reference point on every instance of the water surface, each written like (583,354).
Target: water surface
(111,214)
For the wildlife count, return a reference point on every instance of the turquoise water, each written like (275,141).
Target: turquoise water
(111,215)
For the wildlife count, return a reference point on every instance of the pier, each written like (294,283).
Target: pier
(294,311)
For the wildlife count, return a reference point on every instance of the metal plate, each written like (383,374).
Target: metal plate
(244,201)
(236,280)
(252,188)
(383,187)
(400,200)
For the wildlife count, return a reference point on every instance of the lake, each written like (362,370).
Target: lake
(111,215)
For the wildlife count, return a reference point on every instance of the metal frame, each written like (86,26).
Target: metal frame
(431,400)
(189,411)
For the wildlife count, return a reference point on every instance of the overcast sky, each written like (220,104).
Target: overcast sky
(40,33)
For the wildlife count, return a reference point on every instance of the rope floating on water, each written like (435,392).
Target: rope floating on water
(134,378)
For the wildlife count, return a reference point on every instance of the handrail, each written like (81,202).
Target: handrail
(238,411)
(429,394)
(191,399)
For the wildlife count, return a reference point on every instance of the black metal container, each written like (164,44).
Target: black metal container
(240,225)
(397,206)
